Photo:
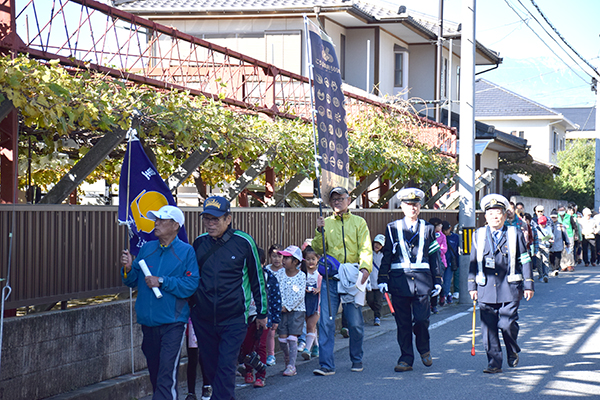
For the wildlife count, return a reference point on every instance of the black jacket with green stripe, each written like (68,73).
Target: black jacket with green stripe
(229,279)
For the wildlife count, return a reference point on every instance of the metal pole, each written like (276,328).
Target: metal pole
(466,164)
(449,83)
(597,168)
(368,65)
(438,65)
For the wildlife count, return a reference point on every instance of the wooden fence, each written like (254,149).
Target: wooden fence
(62,252)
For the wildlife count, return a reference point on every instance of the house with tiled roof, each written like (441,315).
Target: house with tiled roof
(584,118)
(544,128)
(382,49)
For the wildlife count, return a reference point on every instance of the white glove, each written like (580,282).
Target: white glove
(436,291)
(383,287)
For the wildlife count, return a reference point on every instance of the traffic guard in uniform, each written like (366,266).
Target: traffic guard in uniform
(500,275)
(409,270)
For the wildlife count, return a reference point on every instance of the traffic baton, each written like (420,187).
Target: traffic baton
(387,297)
(473,341)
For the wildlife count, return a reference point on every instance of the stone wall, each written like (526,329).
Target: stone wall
(59,351)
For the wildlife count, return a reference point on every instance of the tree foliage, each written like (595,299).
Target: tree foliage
(574,183)
(65,112)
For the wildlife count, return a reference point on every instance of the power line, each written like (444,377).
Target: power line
(563,39)
(552,37)
(546,44)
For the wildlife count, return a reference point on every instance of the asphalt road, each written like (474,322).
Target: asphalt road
(560,357)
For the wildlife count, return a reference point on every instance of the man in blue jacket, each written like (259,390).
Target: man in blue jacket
(230,277)
(174,271)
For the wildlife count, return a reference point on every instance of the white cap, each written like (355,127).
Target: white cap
(292,251)
(411,195)
(167,212)
(587,211)
(494,201)
(380,239)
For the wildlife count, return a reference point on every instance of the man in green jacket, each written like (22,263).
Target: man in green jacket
(347,238)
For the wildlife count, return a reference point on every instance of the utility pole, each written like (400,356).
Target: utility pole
(438,65)
(597,142)
(466,155)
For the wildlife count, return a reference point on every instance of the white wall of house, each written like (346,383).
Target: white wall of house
(356,58)
(539,134)
(489,160)
(421,75)
(387,64)
(279,41)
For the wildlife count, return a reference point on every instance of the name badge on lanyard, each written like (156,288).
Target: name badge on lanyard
(490,262)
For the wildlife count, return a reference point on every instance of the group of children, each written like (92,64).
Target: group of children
(293,287)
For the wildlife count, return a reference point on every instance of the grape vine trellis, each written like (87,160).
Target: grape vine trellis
(64,112)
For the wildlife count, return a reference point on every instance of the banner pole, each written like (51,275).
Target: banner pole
(316,157)
(130,133)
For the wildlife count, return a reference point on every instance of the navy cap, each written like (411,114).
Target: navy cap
(339,190)
(216,206)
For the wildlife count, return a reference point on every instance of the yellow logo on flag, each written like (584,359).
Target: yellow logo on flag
(144,202)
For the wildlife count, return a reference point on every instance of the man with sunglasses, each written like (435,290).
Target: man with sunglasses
(231,281)
(410,271)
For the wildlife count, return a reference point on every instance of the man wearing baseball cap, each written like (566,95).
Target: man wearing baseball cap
(231,276)
(410,270)
(348,240)
(500,275)
(174,271)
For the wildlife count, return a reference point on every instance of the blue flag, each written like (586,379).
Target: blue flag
(330,113)
(144,190)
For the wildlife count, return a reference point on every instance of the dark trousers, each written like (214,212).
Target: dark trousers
(591,245)
(219,347)
(162,347)
(555,257)
(412,315)
(255,341)
(501,316)
(375,299)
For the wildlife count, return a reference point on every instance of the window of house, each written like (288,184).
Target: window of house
(343,56)
(398,69)
(458,83)
(522,134)
(555,142)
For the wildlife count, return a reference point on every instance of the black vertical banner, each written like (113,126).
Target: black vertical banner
(330,113)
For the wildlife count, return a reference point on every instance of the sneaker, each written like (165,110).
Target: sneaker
(426,358)
(434,310)
(357,367)
(570,269)
(449,299)
(441,301)
(289,371)
(377,321)
(271,360)
(455,295)
(323,371)
(345,333)
(206,392)
(301,346)
(191,396)
(259,382)
(249,377)
(315,351)
(403,367)
(554,273)
(545,278)
(306,354)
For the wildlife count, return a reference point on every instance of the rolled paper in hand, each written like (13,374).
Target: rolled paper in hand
(146,272)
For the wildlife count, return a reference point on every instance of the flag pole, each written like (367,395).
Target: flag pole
(130,134)
(316,157)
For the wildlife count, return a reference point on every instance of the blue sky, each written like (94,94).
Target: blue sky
(529,67)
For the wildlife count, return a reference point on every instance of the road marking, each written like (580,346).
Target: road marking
(450,319)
